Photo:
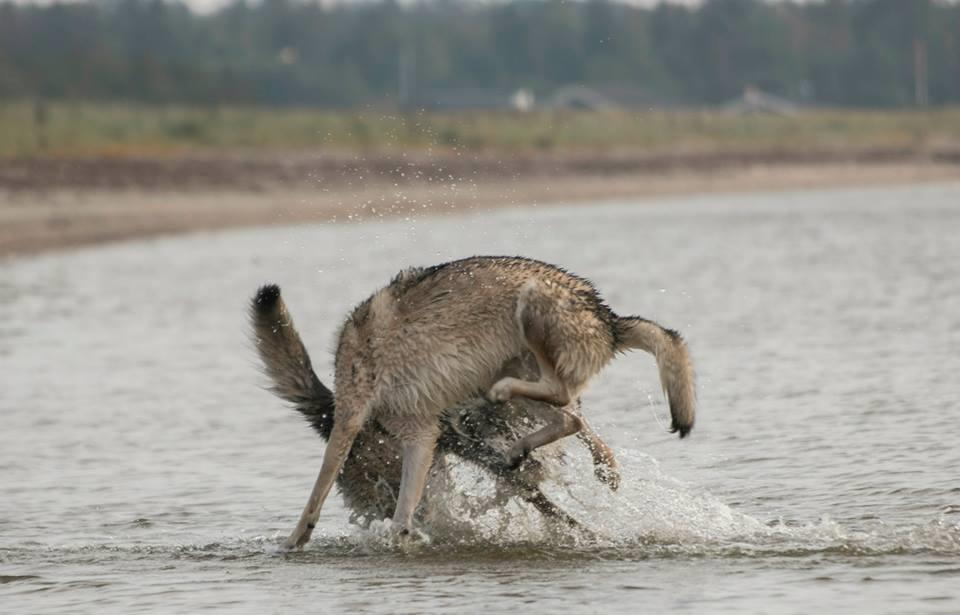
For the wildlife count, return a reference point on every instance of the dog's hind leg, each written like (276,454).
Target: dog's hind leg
(550,387)
(417,458)
(567,338)
(569,422)
(348,421)
(565,424)
(532,318)
(604,461)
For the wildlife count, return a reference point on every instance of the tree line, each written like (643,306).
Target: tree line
(869,53)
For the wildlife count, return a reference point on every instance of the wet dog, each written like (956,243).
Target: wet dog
(436,336)
(476,430)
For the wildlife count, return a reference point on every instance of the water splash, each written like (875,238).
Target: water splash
(651,515)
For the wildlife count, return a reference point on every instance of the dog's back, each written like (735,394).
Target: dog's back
(436,335)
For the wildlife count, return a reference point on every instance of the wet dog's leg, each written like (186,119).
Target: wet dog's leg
(568,422)
(550,387)
(604,462)
(546,389)
(565,424)
(347,423)
(417,457)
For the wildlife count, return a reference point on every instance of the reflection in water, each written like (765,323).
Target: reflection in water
(143,467)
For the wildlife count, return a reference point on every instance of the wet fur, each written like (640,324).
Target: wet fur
(434,337)
(476,430)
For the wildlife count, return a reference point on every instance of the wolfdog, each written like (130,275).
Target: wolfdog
(476,430)
(435,336)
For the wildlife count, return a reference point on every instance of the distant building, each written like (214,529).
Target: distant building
(522,100)
(580,97)
(754,101)
(592,98)
(606,97)
(477,99)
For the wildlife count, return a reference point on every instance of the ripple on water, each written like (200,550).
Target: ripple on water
(137,449)
(650,516)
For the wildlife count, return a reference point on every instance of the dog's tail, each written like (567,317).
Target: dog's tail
(286,362)
(673,362)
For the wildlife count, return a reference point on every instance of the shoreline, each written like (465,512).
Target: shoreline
(44,218)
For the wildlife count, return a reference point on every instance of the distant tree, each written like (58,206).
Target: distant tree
(282,52)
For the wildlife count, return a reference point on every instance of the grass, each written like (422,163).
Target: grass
(113,129)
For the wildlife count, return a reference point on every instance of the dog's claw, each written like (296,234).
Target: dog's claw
(608,476)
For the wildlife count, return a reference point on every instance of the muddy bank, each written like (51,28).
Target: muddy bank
(55,203)
(248,170)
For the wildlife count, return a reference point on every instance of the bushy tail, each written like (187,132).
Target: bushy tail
(286,362)
(673,362)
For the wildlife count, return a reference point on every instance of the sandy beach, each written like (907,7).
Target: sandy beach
(49,204)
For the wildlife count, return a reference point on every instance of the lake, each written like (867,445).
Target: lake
(143,467)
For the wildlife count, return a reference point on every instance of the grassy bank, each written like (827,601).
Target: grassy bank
(62,129)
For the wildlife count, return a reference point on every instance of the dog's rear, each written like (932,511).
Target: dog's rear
(371,474)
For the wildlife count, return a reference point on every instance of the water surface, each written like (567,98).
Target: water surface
(143,468)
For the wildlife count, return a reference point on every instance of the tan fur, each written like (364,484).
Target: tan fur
(435,336)
(475,430)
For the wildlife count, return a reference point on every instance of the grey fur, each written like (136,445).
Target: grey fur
(434,337)
(476,430)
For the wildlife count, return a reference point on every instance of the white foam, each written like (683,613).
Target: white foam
(650,511)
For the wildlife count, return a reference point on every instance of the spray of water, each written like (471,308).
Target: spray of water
(651,515)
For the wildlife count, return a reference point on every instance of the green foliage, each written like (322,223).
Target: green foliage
(294,52)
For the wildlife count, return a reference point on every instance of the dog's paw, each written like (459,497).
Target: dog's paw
(408,537)
(517,455)
(296,540)
(501,391)
(608,475)
(528,475)
(290,544)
